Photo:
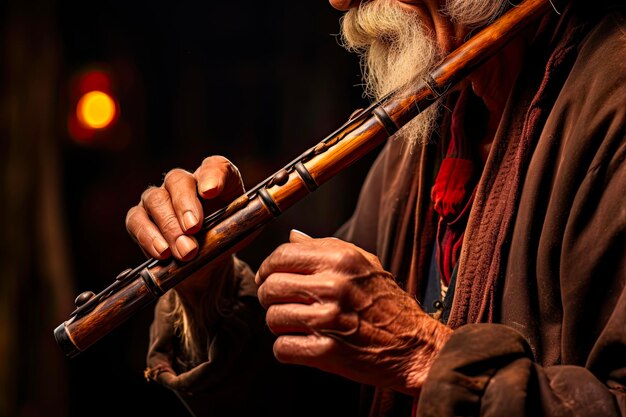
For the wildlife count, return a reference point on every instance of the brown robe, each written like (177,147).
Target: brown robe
(540,300)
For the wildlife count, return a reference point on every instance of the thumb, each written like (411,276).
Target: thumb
(296,236)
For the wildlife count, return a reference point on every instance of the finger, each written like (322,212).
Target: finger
(281,288)
(316,255)
(146,234)
(305,319)
(301,258)
(307,350)
(181,185)
(292,318)
(218,177)
(158,205)
(297,236)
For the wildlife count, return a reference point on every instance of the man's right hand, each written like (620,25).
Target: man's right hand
(167,217)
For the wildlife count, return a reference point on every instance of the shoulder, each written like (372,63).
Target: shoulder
(600,65)
(593,95)
(586,126)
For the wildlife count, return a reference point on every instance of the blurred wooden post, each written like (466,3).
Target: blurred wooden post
(35,283)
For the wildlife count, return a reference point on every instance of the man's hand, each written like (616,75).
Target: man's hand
(164,221)
(333,307)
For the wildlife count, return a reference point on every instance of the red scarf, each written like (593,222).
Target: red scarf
(453,191)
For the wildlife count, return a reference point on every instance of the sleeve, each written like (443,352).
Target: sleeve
(488,370)
(238,351)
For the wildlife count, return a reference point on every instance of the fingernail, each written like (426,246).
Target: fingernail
(185,245)
(189,220)
(301,233)
(160,245)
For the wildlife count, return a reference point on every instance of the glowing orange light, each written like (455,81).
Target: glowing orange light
(95,110)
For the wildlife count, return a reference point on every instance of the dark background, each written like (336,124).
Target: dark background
(255,81)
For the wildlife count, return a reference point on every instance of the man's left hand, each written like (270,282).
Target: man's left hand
(334,307)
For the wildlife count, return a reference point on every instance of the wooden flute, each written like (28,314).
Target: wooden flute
(97,315)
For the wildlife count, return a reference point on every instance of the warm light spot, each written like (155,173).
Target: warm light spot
(95,110)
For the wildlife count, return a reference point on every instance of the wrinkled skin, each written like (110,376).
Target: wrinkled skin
(167,217)
(334,307)
(330,303)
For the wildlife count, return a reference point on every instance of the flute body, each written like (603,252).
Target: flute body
(135,289)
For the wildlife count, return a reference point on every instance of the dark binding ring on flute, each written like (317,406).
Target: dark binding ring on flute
(96,315)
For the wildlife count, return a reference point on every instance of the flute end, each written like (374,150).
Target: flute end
(65,343)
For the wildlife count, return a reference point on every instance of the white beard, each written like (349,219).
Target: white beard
(395,49)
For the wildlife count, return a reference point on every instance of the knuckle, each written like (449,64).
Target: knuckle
(347,258)
(175,175)
(232,168)
(331,285)
(147,193)
(281,252)
(150,194)
(331,316)
(280,350)
(270,316)
(263,294)
(338,287)
(223,164)
(155,197)
(328,241)
(214,160)
(219,167)
(170,224)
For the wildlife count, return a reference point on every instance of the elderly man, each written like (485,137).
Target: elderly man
(483,271)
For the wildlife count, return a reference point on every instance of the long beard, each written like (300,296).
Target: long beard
(395,49)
